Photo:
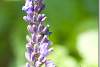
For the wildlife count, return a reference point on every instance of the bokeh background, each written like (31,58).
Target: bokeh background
(74,24)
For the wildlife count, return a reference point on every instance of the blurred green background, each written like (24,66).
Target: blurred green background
(74,24)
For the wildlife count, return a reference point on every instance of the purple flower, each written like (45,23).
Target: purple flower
(27,65)
(49,64)
(37,41)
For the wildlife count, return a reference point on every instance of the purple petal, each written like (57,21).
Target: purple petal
(33,37)
(36,8)
(38,0)
(27,65)
(30,49)
(41,17)
(44,39)
(28,19)
(30,10)
(37,64)
(32,57)
(28,4)
(39,37)
(32,28)
(44,49)
(45,30)
(40,28)
(49,64)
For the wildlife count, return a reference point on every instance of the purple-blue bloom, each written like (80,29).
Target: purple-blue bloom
(49,64)
(37,41)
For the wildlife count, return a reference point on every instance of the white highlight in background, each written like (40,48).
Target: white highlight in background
(87,45)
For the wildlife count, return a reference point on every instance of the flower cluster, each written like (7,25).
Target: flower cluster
(37,42)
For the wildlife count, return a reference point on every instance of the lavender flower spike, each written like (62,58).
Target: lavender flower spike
(37,42)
